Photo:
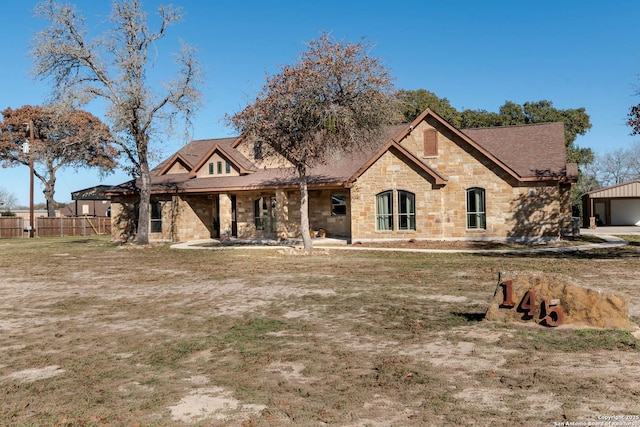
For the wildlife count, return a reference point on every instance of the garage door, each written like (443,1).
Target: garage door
(625,212)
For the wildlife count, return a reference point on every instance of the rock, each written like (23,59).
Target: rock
(555,300)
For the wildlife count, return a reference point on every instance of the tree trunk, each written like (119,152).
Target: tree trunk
(144,217)
(49,189)
(304,209)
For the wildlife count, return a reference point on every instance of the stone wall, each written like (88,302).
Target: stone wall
(194,218)
(123,215)
(320,213)
(514,210)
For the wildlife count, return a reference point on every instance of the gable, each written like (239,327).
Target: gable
(215,164)
(499,148)
(256,153)
(177,166)
(222,159)
(407,157)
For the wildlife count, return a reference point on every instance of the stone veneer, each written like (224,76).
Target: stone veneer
(514,210)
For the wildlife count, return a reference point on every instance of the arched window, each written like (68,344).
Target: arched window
(406,210)
(384,210)
(476,215)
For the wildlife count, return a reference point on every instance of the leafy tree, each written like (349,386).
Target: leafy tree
(114,68)
(62,138)
(576,120)
(335,98)
(480,119)
(414,102)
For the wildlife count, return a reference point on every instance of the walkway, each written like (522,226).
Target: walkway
(608,234)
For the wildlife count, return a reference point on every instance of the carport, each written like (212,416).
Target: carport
(615,205)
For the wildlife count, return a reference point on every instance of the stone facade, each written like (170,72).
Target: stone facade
(514,211)
(430,161)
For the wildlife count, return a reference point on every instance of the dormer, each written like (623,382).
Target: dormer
(175,165)
(218,163)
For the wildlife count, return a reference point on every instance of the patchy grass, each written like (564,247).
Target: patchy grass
(98,334)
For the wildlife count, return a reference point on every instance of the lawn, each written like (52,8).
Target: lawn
(97,334)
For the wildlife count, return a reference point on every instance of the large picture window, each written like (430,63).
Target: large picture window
(476,215)
(384,211)
(406,211)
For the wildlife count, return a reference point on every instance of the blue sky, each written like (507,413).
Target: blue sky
(477,54)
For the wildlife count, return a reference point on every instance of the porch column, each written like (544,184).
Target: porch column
(592,215)
(226,217)
(282,214)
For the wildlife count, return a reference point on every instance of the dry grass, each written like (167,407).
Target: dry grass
(94,334)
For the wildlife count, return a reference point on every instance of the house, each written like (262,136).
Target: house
(424,180)
(91,201)
(615,205)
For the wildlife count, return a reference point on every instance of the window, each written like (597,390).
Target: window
(476,215)
(264,214)
(338,204)
(156,217)
(406,211)
(257,150)
(227,167)
(219,168)
(384,211)
(210,168)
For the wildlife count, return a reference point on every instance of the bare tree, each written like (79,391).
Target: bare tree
(614,167)
(634,159)
(334,99)
(61,138)
(114,68)
(8,200)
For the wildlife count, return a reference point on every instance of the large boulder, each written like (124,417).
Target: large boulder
(554,300)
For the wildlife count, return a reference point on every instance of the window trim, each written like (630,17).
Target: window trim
(384,221)
(410,215)
(155,215)
(477,216)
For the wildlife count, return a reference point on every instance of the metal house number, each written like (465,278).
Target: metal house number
(548,313)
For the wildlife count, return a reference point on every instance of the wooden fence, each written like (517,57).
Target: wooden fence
(56,227)
(11,227)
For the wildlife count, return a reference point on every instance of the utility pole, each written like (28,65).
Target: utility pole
(28,150)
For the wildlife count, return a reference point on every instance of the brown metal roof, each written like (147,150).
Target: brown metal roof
(629,189)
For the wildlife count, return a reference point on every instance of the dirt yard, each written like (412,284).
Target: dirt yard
(93,334)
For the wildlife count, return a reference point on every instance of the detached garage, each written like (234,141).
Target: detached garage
(615,205)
